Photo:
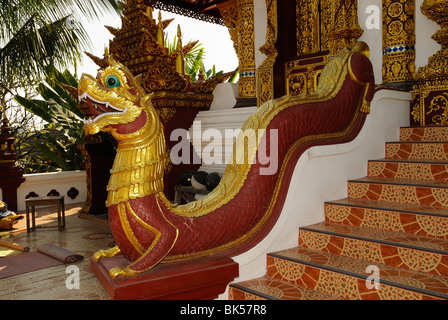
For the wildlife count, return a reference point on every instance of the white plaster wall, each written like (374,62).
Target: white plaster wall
(373,36)
(220,120)
(43,183)
(321,175)
(225,96)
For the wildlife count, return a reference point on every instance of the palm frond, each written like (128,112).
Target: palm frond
(36,33)
(14,13)
(39,107)
(35,45)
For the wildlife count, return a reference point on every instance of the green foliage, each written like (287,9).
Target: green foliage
(194,61)
(38,33)
(56,146)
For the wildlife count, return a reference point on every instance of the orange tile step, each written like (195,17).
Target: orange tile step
(409,169)
(268,288)
(425,192)
(427,133)
(429,150)
(351,278)
(398,249)
(402,217)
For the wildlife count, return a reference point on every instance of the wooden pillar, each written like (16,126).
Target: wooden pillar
(265,72)
(246,54)
(398,43)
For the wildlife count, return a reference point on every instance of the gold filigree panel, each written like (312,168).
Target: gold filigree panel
(345,29)
(265,72)
(324,27)
(429,105)
(229,14)
(398,40)
(302,75)
(246,49)
(308,31)
(430,95)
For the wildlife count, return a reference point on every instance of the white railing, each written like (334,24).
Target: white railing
(71,184)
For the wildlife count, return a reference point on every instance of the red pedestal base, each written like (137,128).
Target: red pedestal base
(198,279)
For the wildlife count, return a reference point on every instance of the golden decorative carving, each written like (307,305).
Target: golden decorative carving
(324,27)
(302,75)
(229,14)
(398,40)
(308,30)
(139,45)
(246,49)
(439,103)
(345,29)
(429,104)
(265,73)
(166,114)
(437,67)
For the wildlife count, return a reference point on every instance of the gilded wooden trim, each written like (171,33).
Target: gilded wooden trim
(265,72)
(246,49)
(398,40)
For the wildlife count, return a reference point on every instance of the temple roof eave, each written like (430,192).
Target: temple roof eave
(204,10)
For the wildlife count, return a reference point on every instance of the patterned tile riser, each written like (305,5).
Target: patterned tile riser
(423,195)
(397,256)
(418,171)
(406,256)
(424,134)
(418,224)
(335,283)
(272,288)
(416,151)
(236,294)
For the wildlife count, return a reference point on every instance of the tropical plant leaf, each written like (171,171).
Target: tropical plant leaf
(36,33)
(64,117)
(234,76)
(64,131)
(39,107)
(47,152)
(35,45)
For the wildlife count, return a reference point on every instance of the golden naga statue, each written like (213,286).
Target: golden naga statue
(243,208)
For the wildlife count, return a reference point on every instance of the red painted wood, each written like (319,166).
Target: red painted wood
(204,278)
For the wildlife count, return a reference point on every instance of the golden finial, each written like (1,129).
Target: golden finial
(180,66)
(160,30)
(201,75)
(179,37)
(149,12)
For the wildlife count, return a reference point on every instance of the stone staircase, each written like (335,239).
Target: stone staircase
(388,240)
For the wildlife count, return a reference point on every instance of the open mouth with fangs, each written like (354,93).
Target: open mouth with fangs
(99,108)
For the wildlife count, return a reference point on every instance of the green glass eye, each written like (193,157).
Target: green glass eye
(112,81)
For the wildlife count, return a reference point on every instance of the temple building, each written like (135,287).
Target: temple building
(352,94)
